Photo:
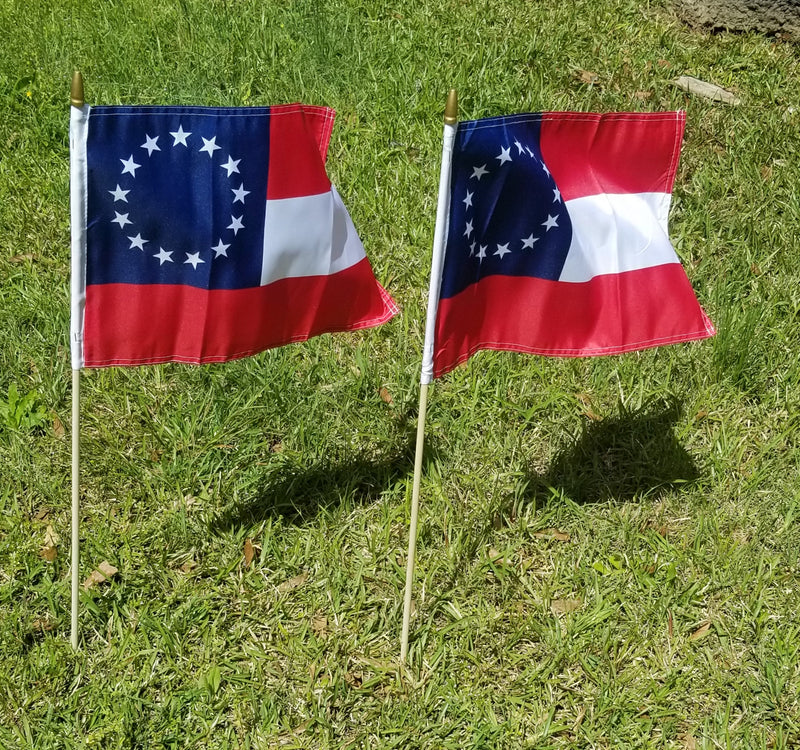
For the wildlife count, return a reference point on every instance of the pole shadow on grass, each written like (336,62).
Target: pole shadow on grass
(296,492)
(619,458)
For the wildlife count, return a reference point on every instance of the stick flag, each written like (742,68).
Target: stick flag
(551,238)
(205,234)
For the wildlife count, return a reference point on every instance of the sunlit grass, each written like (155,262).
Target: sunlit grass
(608,548)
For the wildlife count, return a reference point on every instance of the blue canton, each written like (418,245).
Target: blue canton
(507,216)
(176,195)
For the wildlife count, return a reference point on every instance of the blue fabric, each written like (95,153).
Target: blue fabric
(179,199)
(512,204)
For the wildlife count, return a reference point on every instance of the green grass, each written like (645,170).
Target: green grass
(652,496)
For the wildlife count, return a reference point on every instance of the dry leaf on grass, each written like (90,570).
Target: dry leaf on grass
(701,631)
(386,397)
(249,552)
(42,625)
(497,558)
(104,571)
(551,533)
(562,606)
(51,539)
(587,76)
(58,427)
(293,583)
(49,550)
(319,625)
(590,413)
(354,679)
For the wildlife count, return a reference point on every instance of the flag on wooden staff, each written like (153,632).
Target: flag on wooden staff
(204,234)
(557,241)
(551,238)
(211,234)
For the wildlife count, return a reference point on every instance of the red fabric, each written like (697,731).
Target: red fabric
(622,152)
(298,146)
(227,324)
(555,318)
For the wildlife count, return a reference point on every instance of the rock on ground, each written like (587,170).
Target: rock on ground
(766,16)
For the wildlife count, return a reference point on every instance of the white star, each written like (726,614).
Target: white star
(180,136)
(468,200)
(137,241)
(479,172)
(220,249)
(468,230)
(472,248)
(129,166)
(121,219)
(546,170)
(519,147)
(119,194)
(529,240)
(163,255)
(502,250)
(151,145)
(194,259)
(232,166)
(530,153)
(552,221)
(236,224)
(482,252)
(210,146)
(240,193)
(505,155)
(557,195)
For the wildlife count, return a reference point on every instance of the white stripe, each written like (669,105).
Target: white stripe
(78,128)
(612,233)
(308,236)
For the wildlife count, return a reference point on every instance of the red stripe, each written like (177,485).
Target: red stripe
(622,152)
(298,145)
(608,315)
(129,324)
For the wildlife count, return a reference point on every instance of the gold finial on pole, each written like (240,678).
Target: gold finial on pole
(76,92)
(451,108)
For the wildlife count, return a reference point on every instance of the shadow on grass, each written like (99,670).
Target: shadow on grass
(620,458)
(296,493)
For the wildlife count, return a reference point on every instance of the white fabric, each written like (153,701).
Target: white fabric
(439,244)
(78,129)
(308,236)
(612,233)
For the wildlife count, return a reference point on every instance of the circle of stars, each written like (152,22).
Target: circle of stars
(180,137)
(514,245)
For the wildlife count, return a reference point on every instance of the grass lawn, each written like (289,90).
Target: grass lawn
(608,548)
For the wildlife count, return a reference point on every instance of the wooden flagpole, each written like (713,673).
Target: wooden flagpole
(76,501)
(76,100)
(412,529)
(439,242)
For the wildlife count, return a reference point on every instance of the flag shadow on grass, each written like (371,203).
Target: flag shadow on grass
(296,493)
(619,458)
